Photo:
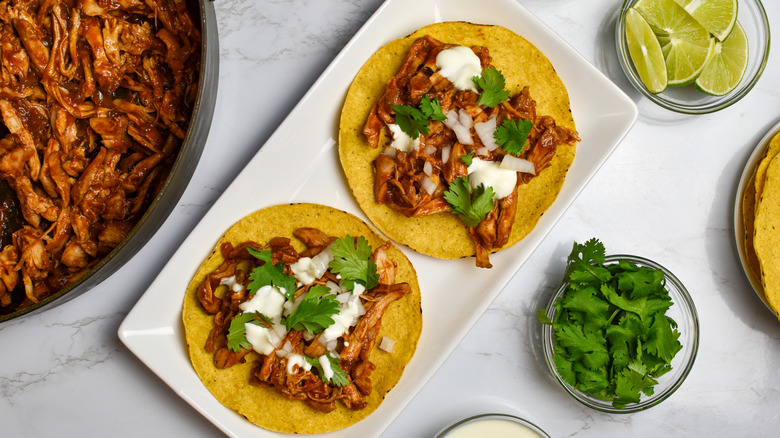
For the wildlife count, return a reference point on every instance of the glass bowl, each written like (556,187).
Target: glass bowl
(688,99)
(480,425)
(682,311)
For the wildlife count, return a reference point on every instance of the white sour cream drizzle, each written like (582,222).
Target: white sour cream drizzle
(491,174)
(263,340)
(459,65)
(401,141)
(268,300)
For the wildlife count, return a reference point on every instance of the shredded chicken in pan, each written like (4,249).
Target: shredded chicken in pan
(354,346)
(96,97)
(398,176)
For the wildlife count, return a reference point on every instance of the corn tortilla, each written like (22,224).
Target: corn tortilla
(771,151)
(443,235)
(767,234)
(263,406)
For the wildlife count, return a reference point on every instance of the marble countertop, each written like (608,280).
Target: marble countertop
(667,193)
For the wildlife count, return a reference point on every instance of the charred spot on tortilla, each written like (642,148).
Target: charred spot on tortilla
(456,139)
(288,324)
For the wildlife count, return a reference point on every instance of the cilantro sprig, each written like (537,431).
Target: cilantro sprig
(269,274)
(612,336)
(340,377)
(512,135)
(315,311)
(352,260)
(414,121)
(470,207)
(492,84)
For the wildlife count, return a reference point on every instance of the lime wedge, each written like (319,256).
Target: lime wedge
(686,44)
(725,68)
(645,52)
(717,16)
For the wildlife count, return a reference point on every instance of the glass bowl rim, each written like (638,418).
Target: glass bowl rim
(720,102)
(490,415)
(602,405)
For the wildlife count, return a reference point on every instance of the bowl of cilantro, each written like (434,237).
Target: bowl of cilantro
(621,333)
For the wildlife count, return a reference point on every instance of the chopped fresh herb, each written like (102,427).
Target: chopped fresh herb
(467,159)
(314,313)
(414,121)
(352,260)
(432,109)
(470,207)
(512,135)
(340,377)
(492,84)
(612,336)
(411,120)
(236,338)
(269,274)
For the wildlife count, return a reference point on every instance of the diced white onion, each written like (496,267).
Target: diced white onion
(428,168)
(485,131)
(390,151)
(430,149)
(518,164)
(452,119)
(483,151)
(428,185)
(463,134)
(386,344)
(465,118)
(445,153)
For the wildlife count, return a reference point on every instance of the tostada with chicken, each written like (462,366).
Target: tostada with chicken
(456,139)
(302,318)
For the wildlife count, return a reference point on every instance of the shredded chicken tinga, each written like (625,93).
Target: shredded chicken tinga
(413,175)
(294,323)
(96,98)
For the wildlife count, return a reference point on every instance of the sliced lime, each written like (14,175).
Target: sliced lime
(645,52)
(685,43)
(717,16)
(725,68)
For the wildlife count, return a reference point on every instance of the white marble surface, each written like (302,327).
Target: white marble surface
(667,193)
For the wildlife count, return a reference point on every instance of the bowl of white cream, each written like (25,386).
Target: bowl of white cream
(492,425)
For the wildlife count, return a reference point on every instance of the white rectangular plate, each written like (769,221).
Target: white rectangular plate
(455,292)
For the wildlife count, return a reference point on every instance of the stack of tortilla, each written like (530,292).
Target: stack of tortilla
(761,216)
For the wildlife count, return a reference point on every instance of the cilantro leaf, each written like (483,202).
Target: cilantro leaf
(467,159)
(492,84)
(470,210)
(662,339)
(585,301)
(352,260)
(642,282)
(314,313)
(644,307)
(431,109)
(269,274)
(340,377)
(236,338)
(411,120)
(585,264)
(512,135)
